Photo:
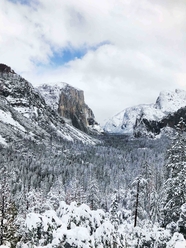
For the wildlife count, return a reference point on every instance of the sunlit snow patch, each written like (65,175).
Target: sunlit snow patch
(6,117)
(177,241)
(3,142)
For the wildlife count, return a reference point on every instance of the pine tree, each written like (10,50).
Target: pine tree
(151,197)
(93,198)
(114,218)
(147,174)
(155,207)
(174,188)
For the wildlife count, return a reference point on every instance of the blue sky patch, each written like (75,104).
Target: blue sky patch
(67,55)
(23,2)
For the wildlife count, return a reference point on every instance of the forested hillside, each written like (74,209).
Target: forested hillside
(131,180)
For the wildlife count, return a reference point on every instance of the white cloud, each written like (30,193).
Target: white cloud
(146,51)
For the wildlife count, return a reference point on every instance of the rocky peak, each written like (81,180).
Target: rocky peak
(6,69)
(70,104)
(171,101)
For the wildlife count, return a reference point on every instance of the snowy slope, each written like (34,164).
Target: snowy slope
(51,93)
(7,118)
(171,101)
(167,102)
(23,110)
(3,141)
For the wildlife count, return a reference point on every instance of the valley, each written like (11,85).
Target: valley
(64,187)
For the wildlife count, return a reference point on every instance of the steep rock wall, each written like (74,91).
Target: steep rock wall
(155,127)
(72,106)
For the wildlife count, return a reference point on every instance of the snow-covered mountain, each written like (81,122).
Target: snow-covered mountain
(132,119)
(25,114)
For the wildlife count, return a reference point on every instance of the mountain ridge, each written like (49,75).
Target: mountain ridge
(131,119)
(23,107)
(63,105)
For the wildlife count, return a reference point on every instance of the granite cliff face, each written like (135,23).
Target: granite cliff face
(70,104)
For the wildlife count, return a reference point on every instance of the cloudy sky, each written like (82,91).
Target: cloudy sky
(119,52)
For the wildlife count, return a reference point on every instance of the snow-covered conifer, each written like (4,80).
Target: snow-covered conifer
(174,188)
(93,197)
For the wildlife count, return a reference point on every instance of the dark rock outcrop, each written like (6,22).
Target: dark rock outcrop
(72,106)
(155,127)
(6,69)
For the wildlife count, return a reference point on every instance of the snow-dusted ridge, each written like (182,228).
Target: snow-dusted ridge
(23,110)
(166,103)
(51,93)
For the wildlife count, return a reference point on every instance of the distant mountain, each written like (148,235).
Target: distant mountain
(149,119)
(69,103)
(25,114)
